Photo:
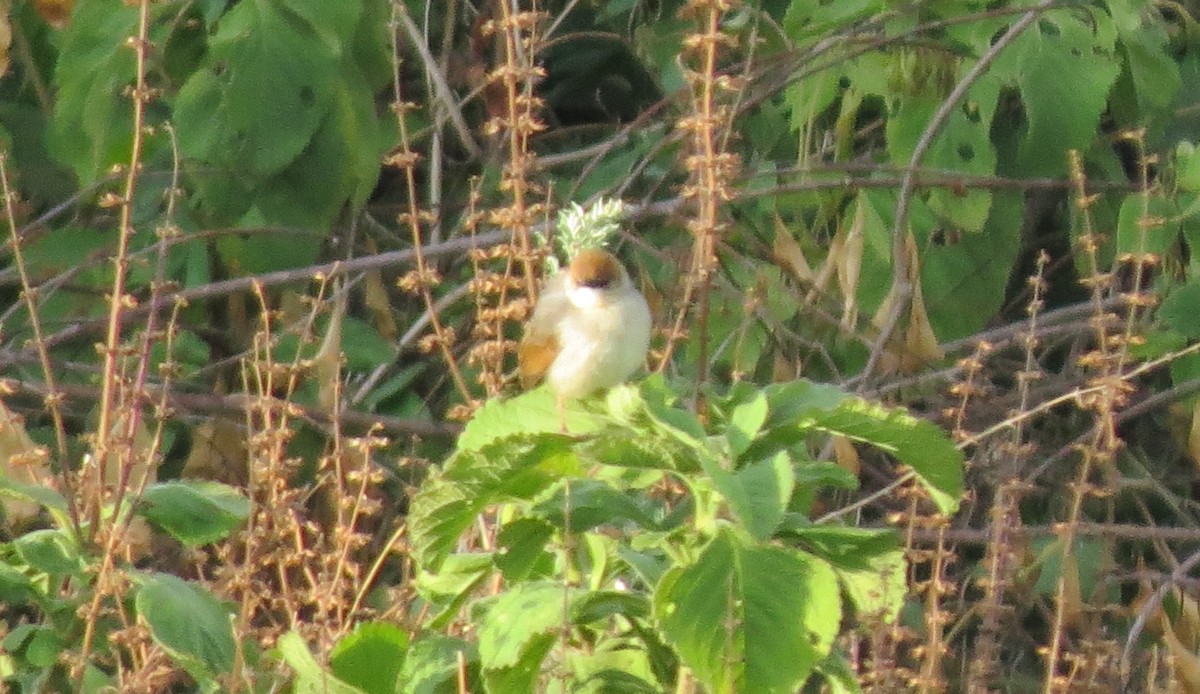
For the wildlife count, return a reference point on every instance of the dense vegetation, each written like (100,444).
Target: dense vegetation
(919,415)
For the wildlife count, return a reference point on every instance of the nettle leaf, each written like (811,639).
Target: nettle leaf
(265,89)
(283,114)
(1064,46)
(521,547)
(917,443)
(371,657)
(195,512)
(812,17)
(869,563)
(311,676)
(519,618)
(757,493)
(749,618)
(517,468)
(191,625)
(432,665)
(962,275)
(93,118)
(1181,311)
(962,144)
(51,551)
(590,503)
(531,412)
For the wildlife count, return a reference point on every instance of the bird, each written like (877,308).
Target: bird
(589,330)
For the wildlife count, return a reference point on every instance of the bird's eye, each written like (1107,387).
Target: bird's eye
(595,283)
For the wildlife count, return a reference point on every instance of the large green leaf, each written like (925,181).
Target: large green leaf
(191,625)
(963,144)
(432,665)
(370,657)
(195,512)
(51,551)
(918,443)
(533,412)
(513,621)
(1063,47)
(515,468)
(750,618)
(311,676)
(93,118)
(757,493)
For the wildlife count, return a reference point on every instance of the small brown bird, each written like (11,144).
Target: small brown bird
(590,329)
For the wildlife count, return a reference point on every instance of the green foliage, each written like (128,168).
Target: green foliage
(195,512)
(746,592)
(190,624)
(52,571)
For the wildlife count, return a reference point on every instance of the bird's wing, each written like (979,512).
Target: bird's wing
(539,345)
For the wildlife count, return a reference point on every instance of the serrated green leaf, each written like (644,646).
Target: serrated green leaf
(93,117)
(51,551)
(1062,47)
(750,618)
(745,421)
(370,657)
(311,677)
(918,443)
(508,469)
(191,625)
(1181,311)
(757,493)
(591,503)
(514,620)
(432,665)
(195,512)
(533,412)
(522,549)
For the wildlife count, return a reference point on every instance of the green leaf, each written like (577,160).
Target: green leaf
(511,621)
(523,675)
(51,551)
(15,586)
(370,657)
(869,563)
(592,503)
(1187,167)
(918,443)
(432,665)
(51,500)
(1145,225)
(264,89)
(522,549)
(532,412)
(745,421)
(963,144)
(1062,47)
(757,493)
(453,584)
(365,348)
(447,503)
(599,605)
(749,618)
(93,118)
(195,512)
(191,625)
(1181,311)
(311,677)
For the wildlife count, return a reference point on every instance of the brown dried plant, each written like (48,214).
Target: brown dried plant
(710,166)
